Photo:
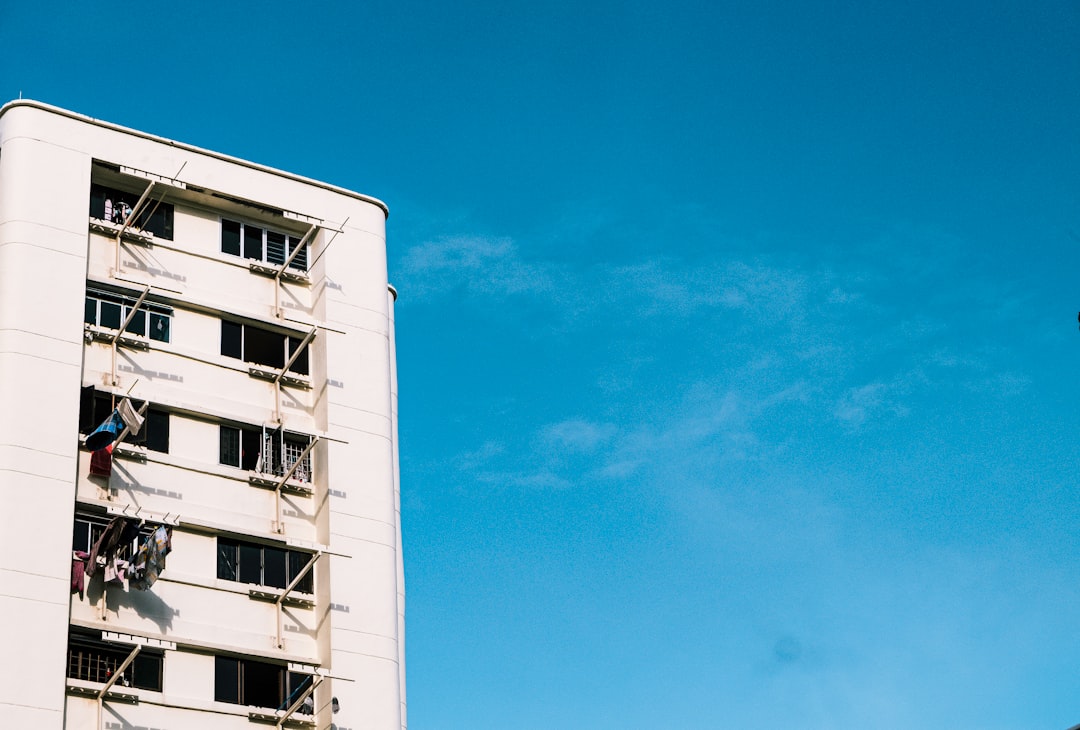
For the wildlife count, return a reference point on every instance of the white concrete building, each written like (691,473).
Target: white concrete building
(247,312)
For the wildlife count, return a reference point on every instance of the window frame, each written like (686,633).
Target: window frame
(250,444)
(233,568)
(141,324)
(95,525)
(98,659)
(238,341)
(97,405)
(235,671)
(253,242)
(157,217)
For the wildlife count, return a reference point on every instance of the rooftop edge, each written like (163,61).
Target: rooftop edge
(192,148)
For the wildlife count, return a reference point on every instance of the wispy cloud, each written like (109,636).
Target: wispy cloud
(577,435)
(857,405)
(729,357)
(481,265)
(524,480)
(496,267)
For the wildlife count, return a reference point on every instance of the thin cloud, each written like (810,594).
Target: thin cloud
(857,405)
(482,265)
(577,435)
(542,479)
(668,286)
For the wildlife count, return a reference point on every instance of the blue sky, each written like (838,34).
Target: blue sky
(736,342)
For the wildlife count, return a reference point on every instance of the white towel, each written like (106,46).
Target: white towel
(130,416)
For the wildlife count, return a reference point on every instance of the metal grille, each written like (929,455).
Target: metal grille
(292,453)
(97,662)
(93,664)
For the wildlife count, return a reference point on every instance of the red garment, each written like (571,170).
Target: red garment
(101,462)
(78,572)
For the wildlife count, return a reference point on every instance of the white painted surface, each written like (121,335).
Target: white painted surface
(47,256)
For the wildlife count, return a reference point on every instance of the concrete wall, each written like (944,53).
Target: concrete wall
(42,270)
(48,253)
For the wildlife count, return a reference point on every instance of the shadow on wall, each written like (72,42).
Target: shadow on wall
(118,722)
(123,481)
(146,604)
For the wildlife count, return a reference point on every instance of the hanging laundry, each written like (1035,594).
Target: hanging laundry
(101,462)
(150,560)
(78,572)
(124,415)
(130,416)
(121,531)
(106,433)
(115,572)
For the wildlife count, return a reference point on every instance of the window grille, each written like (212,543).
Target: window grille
(95,661)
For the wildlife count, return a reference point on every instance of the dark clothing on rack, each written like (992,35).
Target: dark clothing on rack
(150,560)
(101,462)
(121,531)
(78,571)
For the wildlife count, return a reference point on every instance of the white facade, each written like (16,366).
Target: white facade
(204,351)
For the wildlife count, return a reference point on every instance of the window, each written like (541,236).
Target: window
(258,684)
(261,347)
(88,529)
(264,565)
(264,450)
(95,661)
(110,310)
(260,244)
(110,204)
(96,406)
(240,447)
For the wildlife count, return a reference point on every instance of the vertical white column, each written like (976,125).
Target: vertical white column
(363,523)
(44,202)
(391,299)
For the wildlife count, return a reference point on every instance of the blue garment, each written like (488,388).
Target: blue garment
(150,560)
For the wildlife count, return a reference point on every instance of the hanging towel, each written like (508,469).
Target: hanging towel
(150,560)
(106,433)
(78,572)
(114,572)
(101,462)
(121,531)
(130,416)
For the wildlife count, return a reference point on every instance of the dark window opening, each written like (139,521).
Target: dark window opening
(230,237)
(253,243)
(110,315)
(260,244)
(227,679)
(265,451)
(274,567)
(240,447)
(264,565)
(300,365)
(262,347)
(229,446)
(97,661)
(154,434)
(261,684)
(232,339)
(113,205)
(110,310)
(249,564)
(95,407)
(88,530)
(250,448)
(257,684)
(160,324)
